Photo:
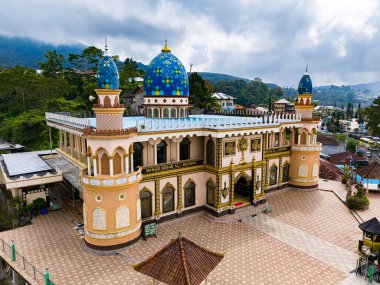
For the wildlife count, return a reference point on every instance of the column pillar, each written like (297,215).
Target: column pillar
(232,190)
(299,138)
(89,165)
(110,159)
(155,152)
(132,166)
(179,192)
(78,147)
(95,166)
(178,151)
(60,139)
(65,141)
(126,163)
(71,144)
(157,198)
(280,171)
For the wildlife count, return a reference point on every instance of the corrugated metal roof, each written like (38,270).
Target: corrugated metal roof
(222,96)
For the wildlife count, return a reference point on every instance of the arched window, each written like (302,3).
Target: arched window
(210,152)
(161,152)
(181,113)
(168,199)
(166,113)
(303,138)
(189,194)
(285,172)
(173,113)
(99,219)
(137,155)
(117,163)
(210,193)
(184,149)
(273,175)
(149,113)
(156,113)
(105,164)
(107,101)
(122,217)
(146,204)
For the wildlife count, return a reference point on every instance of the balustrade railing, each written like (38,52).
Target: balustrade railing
(116,180)
(277,149)
(215,122)
(75,122)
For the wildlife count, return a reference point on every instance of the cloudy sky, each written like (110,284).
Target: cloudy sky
(270,39)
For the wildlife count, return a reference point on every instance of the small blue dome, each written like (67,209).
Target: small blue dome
(108,75)
(166,76)
(305,86)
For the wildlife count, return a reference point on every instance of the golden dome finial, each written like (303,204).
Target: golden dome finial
(166,48)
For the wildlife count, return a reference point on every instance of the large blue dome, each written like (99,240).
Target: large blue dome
(108,75)
(305,86)
(166,76)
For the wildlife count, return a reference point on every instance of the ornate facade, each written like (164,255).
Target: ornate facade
(169,163)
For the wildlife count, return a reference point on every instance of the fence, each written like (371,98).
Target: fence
(23,266)
(362,268)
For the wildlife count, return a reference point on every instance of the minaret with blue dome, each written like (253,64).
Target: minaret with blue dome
(166,87)
(108,110)
(304,104)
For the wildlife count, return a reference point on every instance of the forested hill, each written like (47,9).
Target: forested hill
(215,77)
(28,52)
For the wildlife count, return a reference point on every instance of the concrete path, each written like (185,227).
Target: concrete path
(324,251)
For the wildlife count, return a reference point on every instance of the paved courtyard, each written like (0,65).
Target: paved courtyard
(310,237)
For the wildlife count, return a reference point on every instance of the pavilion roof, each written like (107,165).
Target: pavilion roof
(181,262)
(371,226)
(371,170)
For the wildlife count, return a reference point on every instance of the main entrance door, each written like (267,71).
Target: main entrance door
(243,190)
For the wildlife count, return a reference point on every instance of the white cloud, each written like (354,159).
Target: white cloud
(270,39)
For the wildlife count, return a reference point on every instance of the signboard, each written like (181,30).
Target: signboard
(171,166)
(149,230)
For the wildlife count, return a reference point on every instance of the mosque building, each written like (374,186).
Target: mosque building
(168,163)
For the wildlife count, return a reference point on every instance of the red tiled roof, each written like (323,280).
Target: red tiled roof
(371,171)
(345,157)
(181,262)
(329,171)
(327,140)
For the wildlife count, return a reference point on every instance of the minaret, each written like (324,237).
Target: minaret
(111,203)
(108,111)
(305,151)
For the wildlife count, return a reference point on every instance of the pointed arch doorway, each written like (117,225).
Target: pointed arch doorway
(243,191)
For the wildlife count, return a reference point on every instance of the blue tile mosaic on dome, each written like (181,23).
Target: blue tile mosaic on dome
(166,76)
(305,86)
(108,75)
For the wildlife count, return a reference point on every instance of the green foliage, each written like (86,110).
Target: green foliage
(346,172)
(372,117)
(88,59)
(53,64)
(201,93)
(351,145)
(39,203)
(254,92)
(341,137)
(357,203)
(128,72)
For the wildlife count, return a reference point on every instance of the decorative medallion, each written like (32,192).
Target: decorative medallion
(243,146)
(121,197)
(98,198)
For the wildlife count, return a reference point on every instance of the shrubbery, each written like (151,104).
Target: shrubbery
(358,201)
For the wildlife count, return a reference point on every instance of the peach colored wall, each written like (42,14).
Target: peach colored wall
(109,203)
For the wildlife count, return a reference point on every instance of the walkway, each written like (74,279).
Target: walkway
(324,251)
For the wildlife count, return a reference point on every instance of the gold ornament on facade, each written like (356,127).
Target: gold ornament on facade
(243,146)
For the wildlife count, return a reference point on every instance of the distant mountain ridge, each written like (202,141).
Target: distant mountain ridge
(28,52)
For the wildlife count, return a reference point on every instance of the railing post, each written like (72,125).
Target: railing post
(34,272)
(3,245)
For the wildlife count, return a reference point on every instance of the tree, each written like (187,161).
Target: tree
(53,64)
(351,145)
(372,117)
(200,94)
(87,60)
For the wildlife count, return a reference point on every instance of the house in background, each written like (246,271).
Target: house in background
(283,106)
(225,101)
(134,100)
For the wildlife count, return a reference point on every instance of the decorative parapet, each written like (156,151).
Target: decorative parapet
(150,125)
(79,123)
(171,166)
(109,182)
(277,149)
(317,147)
(94,132)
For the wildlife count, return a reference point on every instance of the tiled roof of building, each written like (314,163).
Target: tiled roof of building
(371,171)
(282,101)
(181,262)
(344,158)
(329,171)
(327,140)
